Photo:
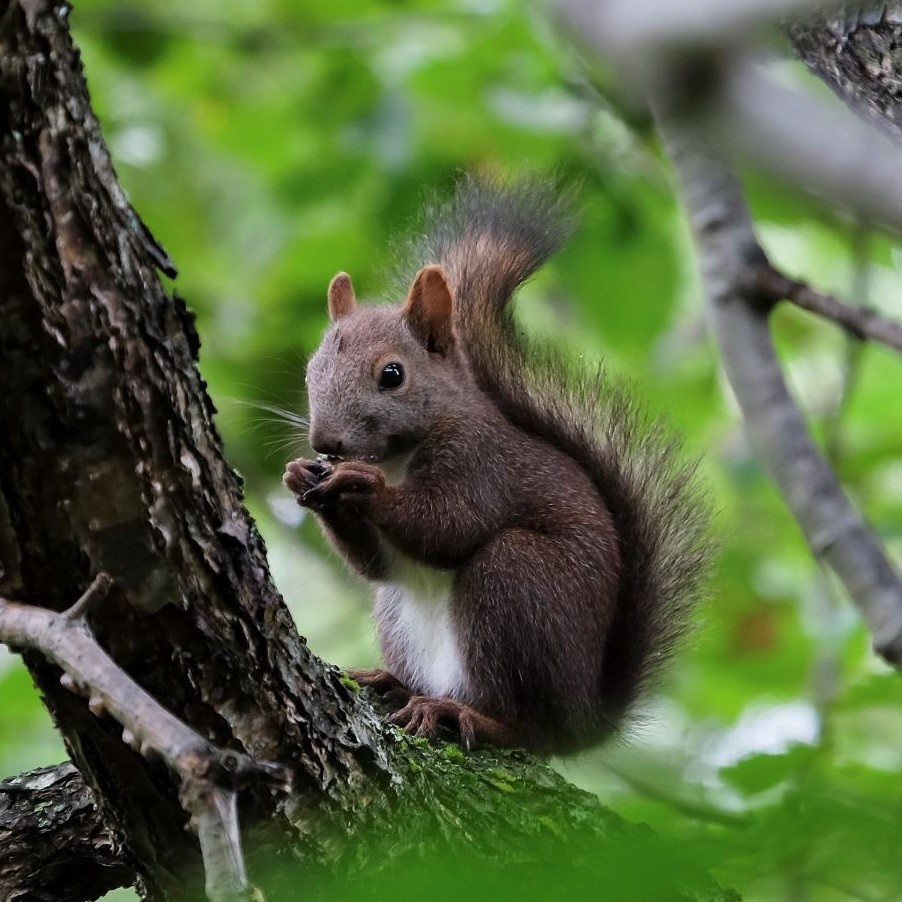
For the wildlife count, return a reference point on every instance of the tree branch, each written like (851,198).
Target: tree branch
(623,27)
(208,776)
(807,142)
(53,842)
(110,461)
(861,322)
(711,98)
(732,261)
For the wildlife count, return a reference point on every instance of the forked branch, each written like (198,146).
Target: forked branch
(732,262)
(209,777)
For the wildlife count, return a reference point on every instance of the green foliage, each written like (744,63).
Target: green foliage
(269,145)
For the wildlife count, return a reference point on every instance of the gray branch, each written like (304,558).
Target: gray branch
(209,777)
(807,142)
(623,26)
(860,322)
(732,260)
(708,72)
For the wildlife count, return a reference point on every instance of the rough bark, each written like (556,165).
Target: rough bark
(859,55)
(109,460)
(53,844)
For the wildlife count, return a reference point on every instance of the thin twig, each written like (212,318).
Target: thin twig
(93,595)
(861,322)
(209,776)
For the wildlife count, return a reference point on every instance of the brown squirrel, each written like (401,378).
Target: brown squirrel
(536,545)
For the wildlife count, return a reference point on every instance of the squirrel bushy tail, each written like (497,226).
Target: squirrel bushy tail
(490,237)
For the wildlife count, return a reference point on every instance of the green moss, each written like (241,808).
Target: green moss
(453,752)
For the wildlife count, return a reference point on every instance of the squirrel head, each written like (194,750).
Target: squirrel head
(384,376)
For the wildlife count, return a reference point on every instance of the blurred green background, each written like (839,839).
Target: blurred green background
(269,145)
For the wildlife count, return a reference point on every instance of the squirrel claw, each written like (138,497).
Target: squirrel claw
(426,717)
(301,476)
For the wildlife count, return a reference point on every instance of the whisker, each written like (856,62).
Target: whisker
(256,422)
(283,442)
(283,413)
(296,441)
(294,446)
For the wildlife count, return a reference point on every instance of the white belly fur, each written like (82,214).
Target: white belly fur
(415,623)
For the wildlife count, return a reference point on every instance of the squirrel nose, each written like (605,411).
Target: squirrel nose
(330,446)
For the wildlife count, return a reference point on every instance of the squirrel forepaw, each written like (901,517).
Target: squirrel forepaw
(302,475)
(349,480)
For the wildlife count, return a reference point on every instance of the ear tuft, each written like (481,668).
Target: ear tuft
(428,309)
(341,297)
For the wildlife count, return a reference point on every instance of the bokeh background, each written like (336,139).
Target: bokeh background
(269,145)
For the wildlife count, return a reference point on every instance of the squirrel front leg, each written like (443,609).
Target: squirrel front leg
(438,524)
(355,538)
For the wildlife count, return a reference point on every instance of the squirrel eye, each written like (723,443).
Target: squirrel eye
(392,375)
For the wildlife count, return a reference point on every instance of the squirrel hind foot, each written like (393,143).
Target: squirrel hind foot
(430,717)
(384,683)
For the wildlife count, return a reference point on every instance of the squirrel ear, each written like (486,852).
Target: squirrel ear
(428,309)
(341,297)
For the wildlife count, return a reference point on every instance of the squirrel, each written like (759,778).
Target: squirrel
(537,545)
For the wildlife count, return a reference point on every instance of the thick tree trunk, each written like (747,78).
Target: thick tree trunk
(109,460)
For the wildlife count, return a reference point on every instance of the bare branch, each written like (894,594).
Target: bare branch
(215,820)
(709,95)
(209,776)
(95,593)
(860,322)
(731,260)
